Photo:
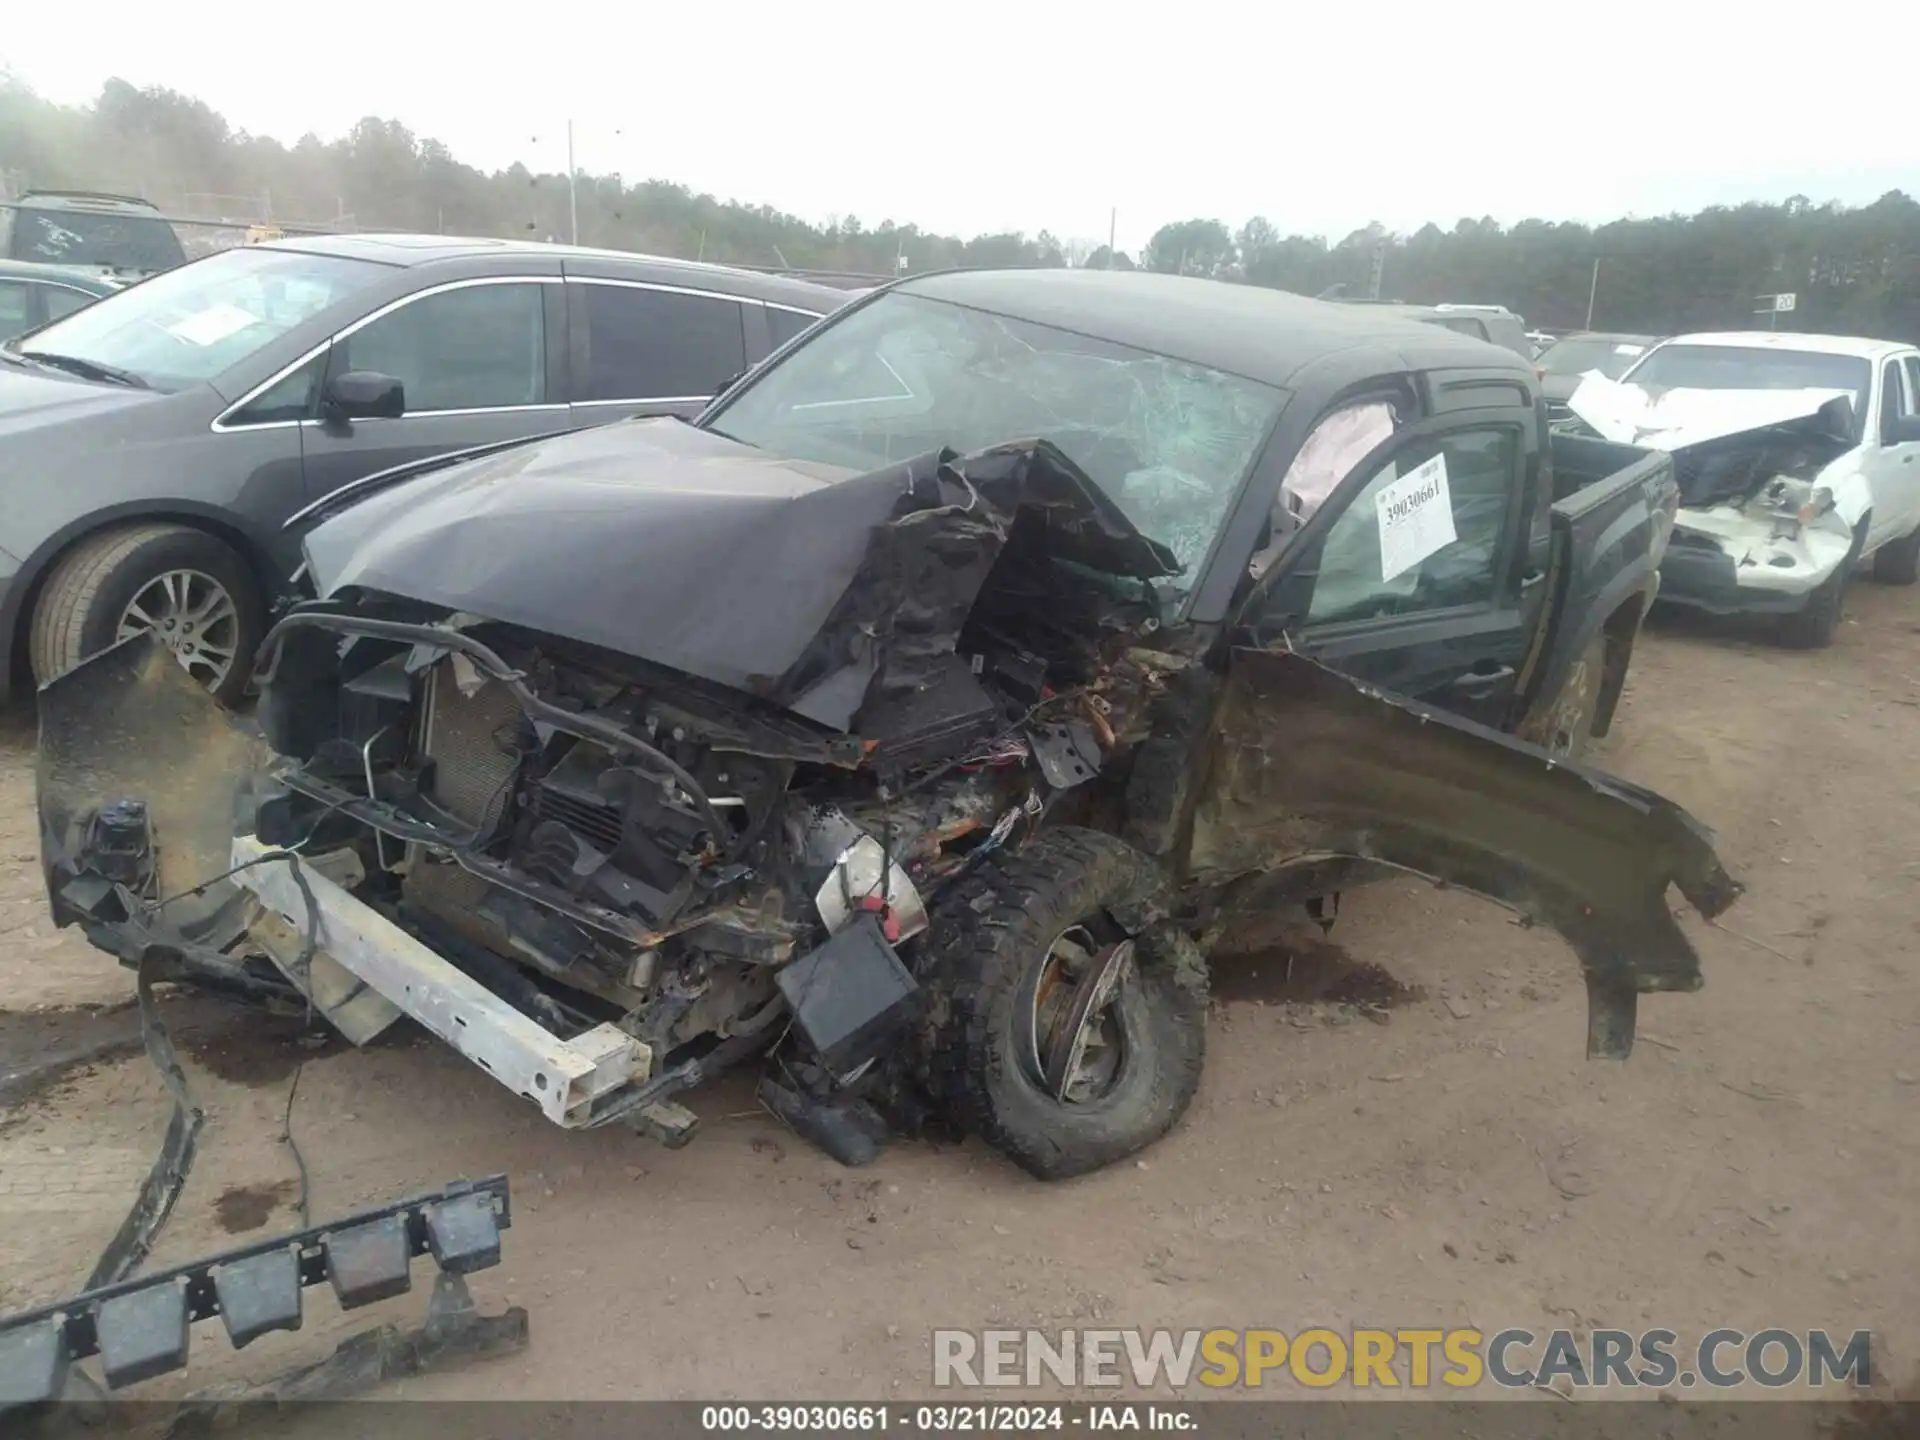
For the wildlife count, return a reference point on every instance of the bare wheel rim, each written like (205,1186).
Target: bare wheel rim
(1075,1044)
(193,616)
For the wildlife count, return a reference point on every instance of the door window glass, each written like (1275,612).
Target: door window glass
(13,308)
(63,301)
(783,325)
(477,347)
(1423,531)
(289,398)
(659,344)
(1894,399)
(1911,364)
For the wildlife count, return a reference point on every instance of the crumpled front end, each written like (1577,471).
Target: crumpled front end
(1767,555)
(604,877)
(599,876)
(1770,491)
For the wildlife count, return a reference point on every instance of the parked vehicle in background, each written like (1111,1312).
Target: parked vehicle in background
(156,442)
(1798,458)
(1564,362)
(916,718)
(1493,323)
(116,234)
(1539,340)
(35,295)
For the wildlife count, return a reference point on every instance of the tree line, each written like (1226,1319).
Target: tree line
(1852,270)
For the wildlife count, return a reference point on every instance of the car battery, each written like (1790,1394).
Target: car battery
(850,996)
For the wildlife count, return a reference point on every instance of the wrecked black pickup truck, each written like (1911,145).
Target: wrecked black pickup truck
(914,721)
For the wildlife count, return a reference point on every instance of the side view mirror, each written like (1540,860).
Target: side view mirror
(1901,430)
(364,395)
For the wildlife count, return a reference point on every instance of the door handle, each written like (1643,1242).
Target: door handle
(1481,682)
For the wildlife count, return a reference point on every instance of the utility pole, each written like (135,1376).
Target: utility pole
(1592,290)
(1113,228)
(573,198)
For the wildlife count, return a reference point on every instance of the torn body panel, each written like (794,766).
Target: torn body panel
(1308,765)
(1677,418)
(131,724)
(1729,559)
(817,589)
(1770,487)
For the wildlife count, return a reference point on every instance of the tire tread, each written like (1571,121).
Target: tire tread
(986,932)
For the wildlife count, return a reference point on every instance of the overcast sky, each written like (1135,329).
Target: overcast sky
(983,116)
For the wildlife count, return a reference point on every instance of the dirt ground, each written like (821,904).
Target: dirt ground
(1455,1161)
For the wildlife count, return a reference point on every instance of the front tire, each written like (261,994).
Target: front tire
(1813,627)
(1023,1048)
(1898,563)
(183,584)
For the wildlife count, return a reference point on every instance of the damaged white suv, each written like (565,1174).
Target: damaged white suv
(1798,457)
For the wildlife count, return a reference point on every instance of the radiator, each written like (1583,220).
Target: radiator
(470,739)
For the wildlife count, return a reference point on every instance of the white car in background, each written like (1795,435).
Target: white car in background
(1798,458)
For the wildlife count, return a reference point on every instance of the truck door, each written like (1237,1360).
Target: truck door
(1414,574)
(1890,461)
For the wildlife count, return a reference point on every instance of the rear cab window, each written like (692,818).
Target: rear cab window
(120,240)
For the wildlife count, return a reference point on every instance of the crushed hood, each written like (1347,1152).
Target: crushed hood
(1674,419)
(1726,444)
(804,584)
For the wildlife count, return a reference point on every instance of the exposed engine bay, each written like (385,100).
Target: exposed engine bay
(650,856)
(666,874)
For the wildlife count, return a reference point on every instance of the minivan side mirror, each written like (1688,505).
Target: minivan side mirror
(364,395)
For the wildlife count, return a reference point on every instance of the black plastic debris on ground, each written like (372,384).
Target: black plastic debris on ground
(140,1328)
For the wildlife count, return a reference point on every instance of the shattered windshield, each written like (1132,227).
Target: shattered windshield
(1169,442)
(1576,357)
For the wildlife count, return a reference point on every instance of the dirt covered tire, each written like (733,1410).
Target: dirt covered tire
(994,941)
(1813,627)
(1565,728)
(1898,562)
(175,572)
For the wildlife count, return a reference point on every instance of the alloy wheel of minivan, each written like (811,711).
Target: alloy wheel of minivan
(194,617)
(190,589)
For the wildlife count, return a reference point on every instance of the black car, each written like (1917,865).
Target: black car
(119,234)
(916,718)
(1571,358)
(153,444)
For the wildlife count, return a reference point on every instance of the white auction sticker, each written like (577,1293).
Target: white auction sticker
(1416,517)
(212,325)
